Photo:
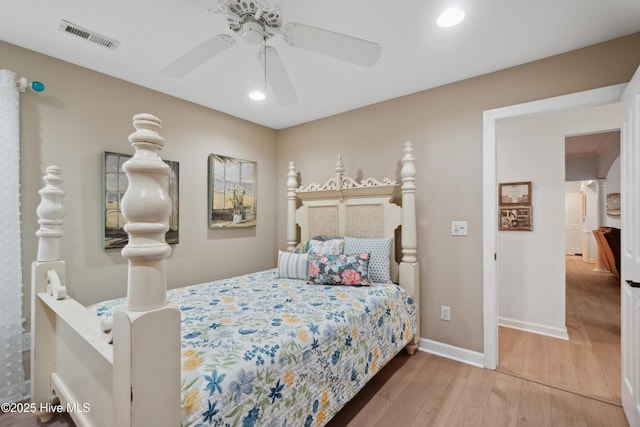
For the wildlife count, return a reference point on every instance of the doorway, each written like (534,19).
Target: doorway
(581,354)
(492,118)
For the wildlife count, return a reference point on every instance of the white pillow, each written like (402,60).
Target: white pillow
(293,266)
(380,250)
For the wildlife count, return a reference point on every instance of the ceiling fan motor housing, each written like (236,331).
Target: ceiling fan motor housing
(249,19)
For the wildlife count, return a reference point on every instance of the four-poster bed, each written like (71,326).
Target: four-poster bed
(252,350)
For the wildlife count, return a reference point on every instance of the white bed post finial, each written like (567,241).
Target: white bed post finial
(50,213)
(146,335)
(339,172)
(146,207)
(47,276)
(292,183)
(408,173)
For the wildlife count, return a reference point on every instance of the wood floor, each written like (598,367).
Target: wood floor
(427,390)
(589,362)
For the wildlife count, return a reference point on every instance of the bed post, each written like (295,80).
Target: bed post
(292,200)
(409,274)
(146,334)
(47,275)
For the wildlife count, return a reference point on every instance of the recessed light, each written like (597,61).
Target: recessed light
(257,95)
(450,17)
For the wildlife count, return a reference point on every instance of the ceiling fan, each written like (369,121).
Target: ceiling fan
(256,21)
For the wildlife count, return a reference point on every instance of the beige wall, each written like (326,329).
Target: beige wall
(445,125)
(83,113)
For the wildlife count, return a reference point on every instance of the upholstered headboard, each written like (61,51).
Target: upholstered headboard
(359,211)
(343,207)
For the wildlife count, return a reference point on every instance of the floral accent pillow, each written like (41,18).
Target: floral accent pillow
(340,269)
(326,247)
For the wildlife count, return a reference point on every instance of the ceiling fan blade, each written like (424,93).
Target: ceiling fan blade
(198,56)
(277,76)
(214,6)
(341,46)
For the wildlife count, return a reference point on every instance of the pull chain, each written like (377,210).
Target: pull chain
(265,65)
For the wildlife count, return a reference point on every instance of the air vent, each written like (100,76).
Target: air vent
(88,35)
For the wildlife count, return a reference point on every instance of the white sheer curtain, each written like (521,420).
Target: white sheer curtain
(12,383)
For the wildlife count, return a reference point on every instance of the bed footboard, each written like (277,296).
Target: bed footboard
(135,381)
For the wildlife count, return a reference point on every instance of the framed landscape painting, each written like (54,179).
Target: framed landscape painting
(232,192)
(115,184)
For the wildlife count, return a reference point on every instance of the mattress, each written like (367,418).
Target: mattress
(262,350)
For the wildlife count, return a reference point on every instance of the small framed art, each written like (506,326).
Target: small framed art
(514,194)
(515,218)
(613,204)
(232,192)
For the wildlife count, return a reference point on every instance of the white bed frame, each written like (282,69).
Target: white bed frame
(136,380)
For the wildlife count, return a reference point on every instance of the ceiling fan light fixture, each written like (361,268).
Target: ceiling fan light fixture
(252,32)
(257,95)
(450,17)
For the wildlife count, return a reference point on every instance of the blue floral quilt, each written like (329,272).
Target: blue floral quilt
(261,350)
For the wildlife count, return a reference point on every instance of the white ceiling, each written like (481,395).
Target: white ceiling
(591,145)
(416,53)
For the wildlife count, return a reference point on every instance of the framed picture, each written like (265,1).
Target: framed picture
(613,204)
(115,184)
(232,192)
(515,218)
(514,193)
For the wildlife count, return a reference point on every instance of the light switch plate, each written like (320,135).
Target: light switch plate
(458,228)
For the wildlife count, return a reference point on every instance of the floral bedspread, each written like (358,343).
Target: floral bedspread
(260,350)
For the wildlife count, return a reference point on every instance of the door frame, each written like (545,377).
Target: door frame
(589,98)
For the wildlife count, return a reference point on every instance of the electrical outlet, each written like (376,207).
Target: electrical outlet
(26,341)
(445,312)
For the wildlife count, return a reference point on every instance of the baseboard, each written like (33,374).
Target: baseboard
(452,352)
(536,328)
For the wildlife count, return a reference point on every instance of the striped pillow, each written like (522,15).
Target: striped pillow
(293,266)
